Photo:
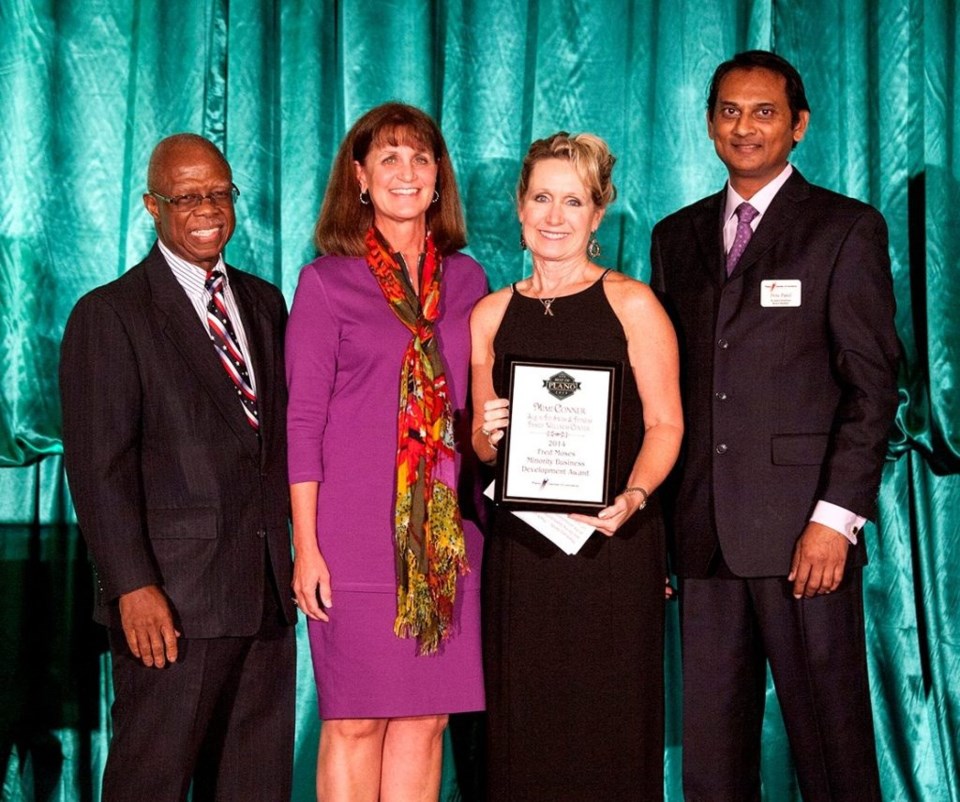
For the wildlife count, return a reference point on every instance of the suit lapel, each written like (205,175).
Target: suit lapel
(257,328)
(180,323)
(779,216)
(708,227)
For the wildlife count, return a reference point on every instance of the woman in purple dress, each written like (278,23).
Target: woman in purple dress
(386,568)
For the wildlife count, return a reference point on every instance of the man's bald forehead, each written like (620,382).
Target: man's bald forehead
(178,145)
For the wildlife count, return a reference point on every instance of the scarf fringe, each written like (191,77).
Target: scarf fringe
(425,602)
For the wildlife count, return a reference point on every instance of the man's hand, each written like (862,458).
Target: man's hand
(148,626)
(818,561)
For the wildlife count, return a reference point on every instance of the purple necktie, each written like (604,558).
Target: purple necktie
(745,214)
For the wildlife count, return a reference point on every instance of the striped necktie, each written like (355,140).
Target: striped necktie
(228,347)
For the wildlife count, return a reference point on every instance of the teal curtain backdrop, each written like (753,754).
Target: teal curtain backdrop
(87,87)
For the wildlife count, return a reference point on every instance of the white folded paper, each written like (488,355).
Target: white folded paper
(558,527)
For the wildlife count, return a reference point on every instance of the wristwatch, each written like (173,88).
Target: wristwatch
(644,493)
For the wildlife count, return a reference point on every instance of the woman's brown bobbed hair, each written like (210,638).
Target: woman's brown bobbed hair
(344,221)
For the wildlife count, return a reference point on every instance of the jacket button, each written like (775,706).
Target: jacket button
(720,395)
(722,344)
(261,533)
(721,448)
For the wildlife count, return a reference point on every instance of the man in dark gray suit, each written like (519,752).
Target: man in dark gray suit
(783,301)
(173,393)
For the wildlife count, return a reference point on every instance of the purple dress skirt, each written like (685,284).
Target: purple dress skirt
(344,348)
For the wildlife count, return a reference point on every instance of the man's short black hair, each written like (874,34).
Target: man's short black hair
(765,60)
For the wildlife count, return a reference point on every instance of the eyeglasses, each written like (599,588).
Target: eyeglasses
(184,203)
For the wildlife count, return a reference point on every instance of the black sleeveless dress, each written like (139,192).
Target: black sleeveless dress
(573,644)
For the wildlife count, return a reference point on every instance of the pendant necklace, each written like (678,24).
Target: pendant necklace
(547,302)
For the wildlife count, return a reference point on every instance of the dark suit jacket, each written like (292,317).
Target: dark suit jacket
(783,406)
(171,485)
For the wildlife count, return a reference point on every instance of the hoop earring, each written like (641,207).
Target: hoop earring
(593,247)
(365,197)
(523,242)
(436,196)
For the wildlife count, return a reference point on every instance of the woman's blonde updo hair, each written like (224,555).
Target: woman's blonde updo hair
(590,156)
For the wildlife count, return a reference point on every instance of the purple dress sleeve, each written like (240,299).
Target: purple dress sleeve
(312,342)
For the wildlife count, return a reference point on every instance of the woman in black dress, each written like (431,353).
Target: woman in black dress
(573,644)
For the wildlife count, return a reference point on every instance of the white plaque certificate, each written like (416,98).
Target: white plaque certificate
(559,450)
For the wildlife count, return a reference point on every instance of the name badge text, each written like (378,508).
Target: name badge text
(780,292)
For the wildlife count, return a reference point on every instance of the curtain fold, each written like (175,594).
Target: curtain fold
(87,89)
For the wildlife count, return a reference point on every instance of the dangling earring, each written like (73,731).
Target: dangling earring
(365,197)
(523,242)
(593,247)
(436,196)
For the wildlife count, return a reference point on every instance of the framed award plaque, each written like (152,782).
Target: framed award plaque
(558,452)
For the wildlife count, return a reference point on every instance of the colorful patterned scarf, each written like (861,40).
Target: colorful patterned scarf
(427,528)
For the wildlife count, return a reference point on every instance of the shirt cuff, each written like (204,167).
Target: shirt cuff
(845,522)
